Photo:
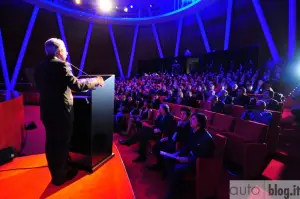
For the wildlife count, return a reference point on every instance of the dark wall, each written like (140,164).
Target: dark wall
(245,31)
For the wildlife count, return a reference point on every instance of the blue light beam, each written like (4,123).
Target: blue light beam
(203,33)
(136,32)
(228,24)
(4,64)
(179,31)
(62,33)
(292,29)
(157,41)
(24,47)
(86,47)
(113,41)
(266,30)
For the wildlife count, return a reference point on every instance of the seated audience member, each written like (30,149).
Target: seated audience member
(200,94)
(199,145)
(189,100)
(168,144)
(170,98)
(163,125)
(272,104)
(279,97)
(224,97)
(145,114)
(234,90)
(156,101)
(216,105)
(242,99)
(259,87)
(258,114)
(179,98)
(249,89)
(163,91)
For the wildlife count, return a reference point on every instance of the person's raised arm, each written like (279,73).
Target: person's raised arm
(79,85)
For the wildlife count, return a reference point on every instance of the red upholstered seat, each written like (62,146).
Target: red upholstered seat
(237,111)
(246,147)
(221,123)
(210,116)
(208,172)
(207,106)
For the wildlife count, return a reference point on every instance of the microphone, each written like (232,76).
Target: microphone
(80,70)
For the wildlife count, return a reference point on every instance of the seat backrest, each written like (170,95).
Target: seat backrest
(161,98)
(276,118)
(220,143)
(210,116)
(224,122)
(176,109)
(251,131)
(237,111)
(207,105)
(154,115)
(228,109)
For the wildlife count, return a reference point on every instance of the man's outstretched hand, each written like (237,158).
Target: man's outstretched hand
(100,81)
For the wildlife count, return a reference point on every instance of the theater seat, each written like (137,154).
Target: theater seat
(237,111)
(274,131)
(247,148)
(209,170)
(210,116)
(221,123)
(150,123)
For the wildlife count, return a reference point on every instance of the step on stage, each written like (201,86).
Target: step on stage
(108,181)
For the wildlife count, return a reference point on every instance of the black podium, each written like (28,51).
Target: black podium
(92,138)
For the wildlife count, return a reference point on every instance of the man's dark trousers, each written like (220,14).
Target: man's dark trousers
(58,137)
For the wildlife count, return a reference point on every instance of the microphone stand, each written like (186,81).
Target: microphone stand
(80,70)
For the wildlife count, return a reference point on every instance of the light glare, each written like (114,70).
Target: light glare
(78,2)
(105,5)
(125,9)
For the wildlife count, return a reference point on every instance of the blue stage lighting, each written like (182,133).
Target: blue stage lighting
(125,9)
(131,6)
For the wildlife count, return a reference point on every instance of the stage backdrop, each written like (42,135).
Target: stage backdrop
(101,58)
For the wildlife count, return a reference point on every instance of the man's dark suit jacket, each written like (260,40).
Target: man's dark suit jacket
(166,124)
(55,80)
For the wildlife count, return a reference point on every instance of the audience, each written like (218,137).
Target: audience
(258,114)
(168,144)
(189,137)
(199,144)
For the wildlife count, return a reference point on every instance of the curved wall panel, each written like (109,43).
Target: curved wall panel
(245,30)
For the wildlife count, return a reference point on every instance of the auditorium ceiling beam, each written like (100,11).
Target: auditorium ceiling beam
(228,24)
(3,63)
(24,47)
(266,30)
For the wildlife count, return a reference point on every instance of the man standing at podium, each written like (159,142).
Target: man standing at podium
(55,80)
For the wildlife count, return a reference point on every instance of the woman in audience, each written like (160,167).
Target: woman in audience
(199,145)
(145,114)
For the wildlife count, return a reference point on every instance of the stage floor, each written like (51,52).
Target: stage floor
(109,181)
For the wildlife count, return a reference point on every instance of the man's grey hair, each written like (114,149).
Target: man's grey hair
(53,45)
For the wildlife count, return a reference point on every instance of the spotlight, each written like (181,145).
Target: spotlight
(78,2)
(105,5)
(131,6)
(125,9)
(150,6)
(116,7)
